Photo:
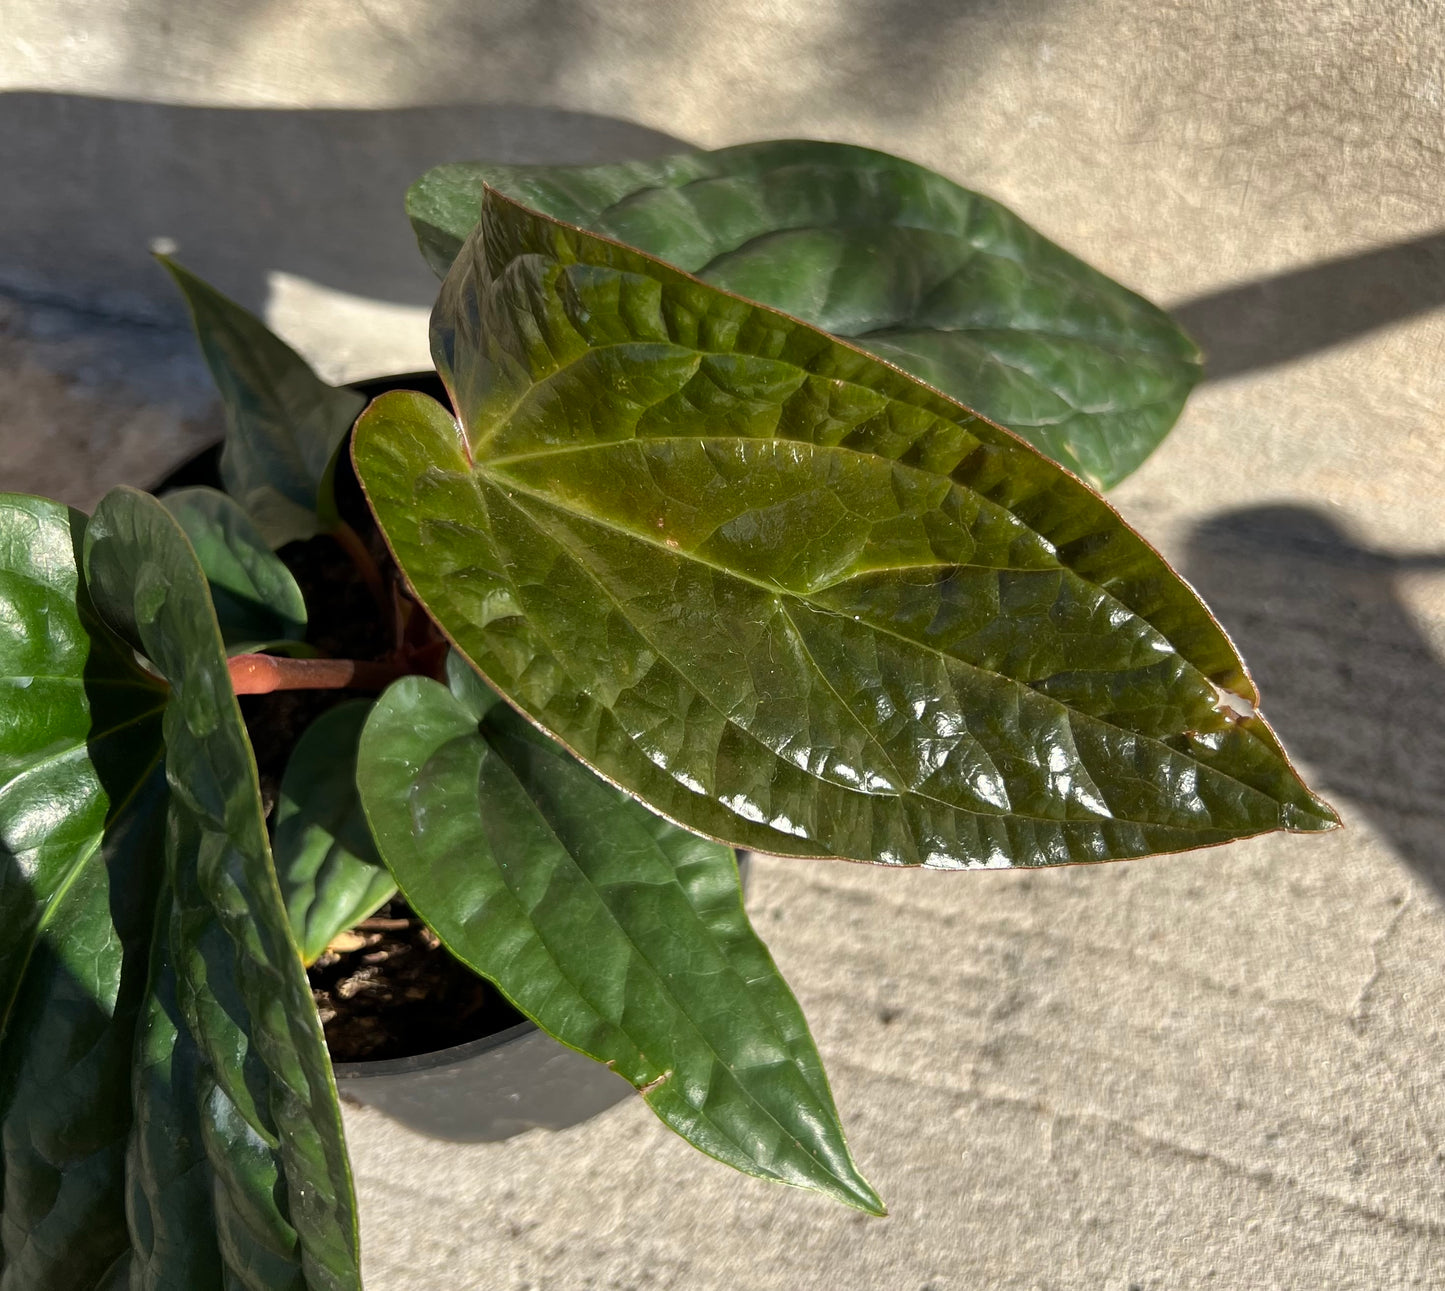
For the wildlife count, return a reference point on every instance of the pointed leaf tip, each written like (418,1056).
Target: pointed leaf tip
(284,424)
(789,596)
(617,932)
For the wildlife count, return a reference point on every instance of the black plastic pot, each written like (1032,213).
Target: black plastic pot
(514,1080)
(518,1079)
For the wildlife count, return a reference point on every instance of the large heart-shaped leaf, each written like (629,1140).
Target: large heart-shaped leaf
(169,1115)
(615,931)
(82,814)
(284,424)
(948,284)
(257,602)
(331,876)
(259,1093)
(790,597)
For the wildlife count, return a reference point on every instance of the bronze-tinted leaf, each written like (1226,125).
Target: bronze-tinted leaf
(947,283)
(790,597)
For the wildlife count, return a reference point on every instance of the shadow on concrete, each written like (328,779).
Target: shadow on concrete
(317,193)
(1348,679)
(90,182)
(895,55)
(1273,320)
(899,55)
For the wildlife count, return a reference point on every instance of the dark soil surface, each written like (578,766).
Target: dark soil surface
(395,991)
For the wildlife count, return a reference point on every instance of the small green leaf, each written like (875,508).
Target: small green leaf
(615,931)
(82,817)
(258,604)
(284,423)
(331,876)
(231,1047)
(792,598)
(944,282)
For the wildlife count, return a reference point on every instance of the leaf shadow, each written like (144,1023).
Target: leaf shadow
(1348,677)
(317,193)
(1274,320)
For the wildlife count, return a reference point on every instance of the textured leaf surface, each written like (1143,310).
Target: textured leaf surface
(615,931)
(284,424)
(948,284)
(257,601)
(331,876)
(235,1101)
(82,801)
(790,597)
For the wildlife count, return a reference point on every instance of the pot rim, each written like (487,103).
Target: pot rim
(382,382)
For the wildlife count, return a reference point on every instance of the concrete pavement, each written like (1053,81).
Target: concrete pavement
(1215,1070)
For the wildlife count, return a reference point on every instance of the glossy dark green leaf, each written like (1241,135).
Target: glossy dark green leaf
(331,877)
(284,424)
(257,602)
(615,931)
(231,1045)
(154,1127)
(170,1185)
(792,598)
(82,810)
(944,282)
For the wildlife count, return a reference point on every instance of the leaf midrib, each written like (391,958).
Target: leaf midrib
(1074,409)
(1094,292)
(1109,345)
(1091,291)
(87,682)
(495,423)
(50,759)
(758,179)
(659,977)
(504,483)
(989,355)
(491,467)
(1011,329)
(473,454)
(949,659)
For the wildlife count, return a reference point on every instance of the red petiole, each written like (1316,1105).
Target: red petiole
(260,674)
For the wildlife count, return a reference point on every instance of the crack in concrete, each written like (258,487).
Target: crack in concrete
(1265,1176)
(1358,1017)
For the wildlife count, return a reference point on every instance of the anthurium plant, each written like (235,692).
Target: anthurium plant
(762,515)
